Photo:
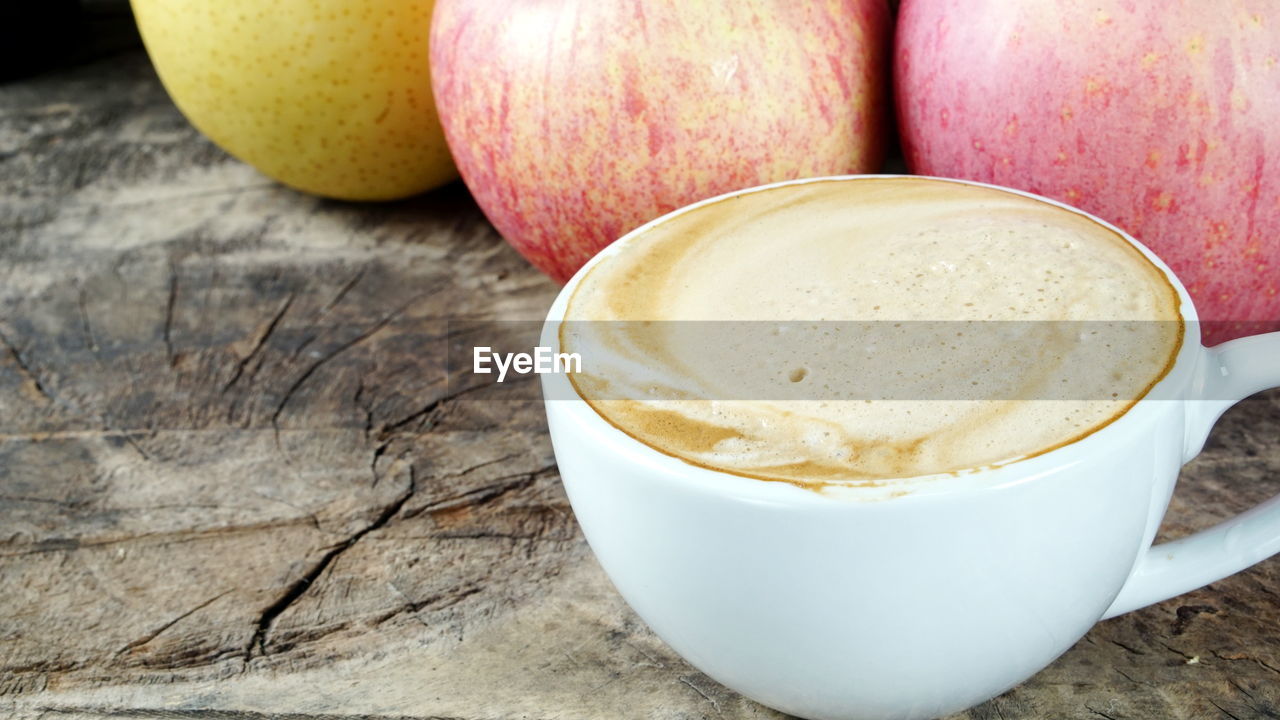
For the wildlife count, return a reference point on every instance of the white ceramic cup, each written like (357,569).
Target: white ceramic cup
(918,605)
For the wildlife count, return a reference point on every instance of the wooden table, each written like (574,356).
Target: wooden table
(235,483)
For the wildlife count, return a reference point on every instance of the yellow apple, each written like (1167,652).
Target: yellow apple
(330,98)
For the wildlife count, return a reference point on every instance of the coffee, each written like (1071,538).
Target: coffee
(852,331)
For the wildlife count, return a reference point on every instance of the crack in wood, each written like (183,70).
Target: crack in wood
(45,666)
(1127,648)
(1263,663)
(86,327)
(128,438)
(472,468)
(158,631)
(715,705)
(378,452)
(262,626)
(1130,678)
(1175,651)
(435,602)
(324,311)
(260,341)
(427,412)
(363,336)
(1238,686)
(1099,713)
(490,535)
(342,291)
(31,499)
(1223,710)
(170,537)
(482,495)
(25,369)
(169,307)
(357,400)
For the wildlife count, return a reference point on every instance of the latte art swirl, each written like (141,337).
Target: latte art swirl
(859,330)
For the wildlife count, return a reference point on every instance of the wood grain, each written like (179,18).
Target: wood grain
(236,482)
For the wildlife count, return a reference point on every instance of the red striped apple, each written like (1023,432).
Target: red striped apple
(573,122)
(1161,117)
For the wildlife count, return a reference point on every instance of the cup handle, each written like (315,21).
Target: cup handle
(1229,373)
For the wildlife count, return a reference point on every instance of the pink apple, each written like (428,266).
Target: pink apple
(1163,118)
(573,122)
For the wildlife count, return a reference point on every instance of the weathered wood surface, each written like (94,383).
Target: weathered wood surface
(233,482)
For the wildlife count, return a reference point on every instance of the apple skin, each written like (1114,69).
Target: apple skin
(330,98)
(1162,118)
(574,122)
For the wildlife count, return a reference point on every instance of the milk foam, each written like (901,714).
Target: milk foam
(860,330)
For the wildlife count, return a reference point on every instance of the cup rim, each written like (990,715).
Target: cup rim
(756,489)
